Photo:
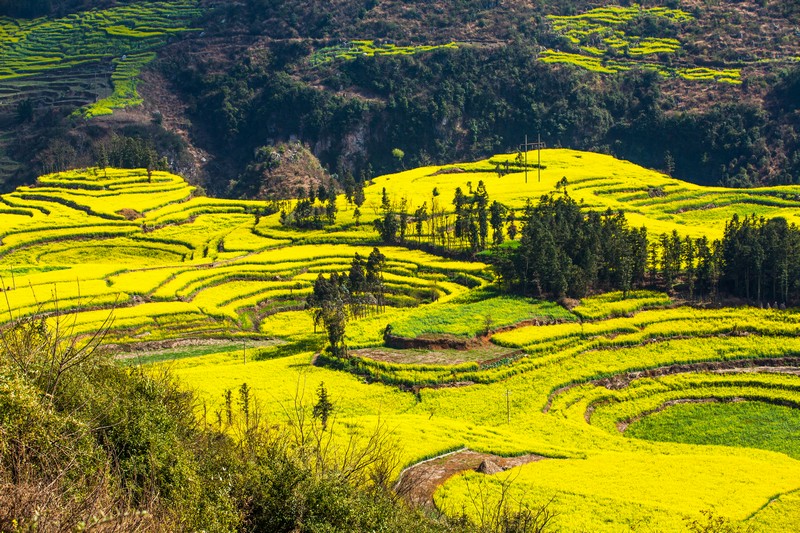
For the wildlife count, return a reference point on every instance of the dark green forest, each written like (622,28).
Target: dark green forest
(563,251)
(554,249)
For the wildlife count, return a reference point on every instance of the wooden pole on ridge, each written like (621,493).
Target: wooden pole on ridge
(508,406)
(530,146)
(539,147)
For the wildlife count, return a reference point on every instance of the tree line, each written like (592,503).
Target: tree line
(564,251)
(313,210)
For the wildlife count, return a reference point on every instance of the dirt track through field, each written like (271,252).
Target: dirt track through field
(417,483)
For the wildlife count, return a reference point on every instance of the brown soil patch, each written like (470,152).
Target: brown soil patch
(418,483)
(483,354)
(762,370)
(150,348)
(130,214)
(449,170)
(438,342)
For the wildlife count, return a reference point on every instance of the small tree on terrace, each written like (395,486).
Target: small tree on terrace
(498,214)
(357,281)
(358,194)
(329,304)
(324,407)
(374,275)
(421,215)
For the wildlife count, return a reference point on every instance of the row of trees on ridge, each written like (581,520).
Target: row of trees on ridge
(564,251)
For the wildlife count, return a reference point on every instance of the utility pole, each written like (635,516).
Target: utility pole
(508,406)
(539,146)
(530,146)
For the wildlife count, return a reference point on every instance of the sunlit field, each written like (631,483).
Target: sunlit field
(619,394)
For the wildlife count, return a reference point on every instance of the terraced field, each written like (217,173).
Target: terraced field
(126,34)
(214,289)
(150,249)
(602,40)
(90,60)
(368,48)
(601,182)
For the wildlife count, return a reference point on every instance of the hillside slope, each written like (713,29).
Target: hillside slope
(229,264)
(701,90)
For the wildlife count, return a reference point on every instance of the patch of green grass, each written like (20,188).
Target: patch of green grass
(475,318)
(742,424)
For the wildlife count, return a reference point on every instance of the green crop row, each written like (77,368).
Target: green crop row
(645,396)
(368,48)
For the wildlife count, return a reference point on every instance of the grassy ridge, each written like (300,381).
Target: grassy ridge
(601,182)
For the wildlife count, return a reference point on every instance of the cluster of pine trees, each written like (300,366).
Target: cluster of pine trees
(338,297)
(564,251)
(760,259)
(315,210)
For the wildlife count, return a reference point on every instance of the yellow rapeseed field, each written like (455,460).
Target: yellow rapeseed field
(165,265)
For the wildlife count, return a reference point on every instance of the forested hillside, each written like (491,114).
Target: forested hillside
(304,72)
(705,91)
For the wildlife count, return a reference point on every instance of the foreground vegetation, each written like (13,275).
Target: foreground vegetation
(214,293)
(88,444)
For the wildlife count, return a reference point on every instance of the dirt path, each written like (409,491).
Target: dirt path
(417,483)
